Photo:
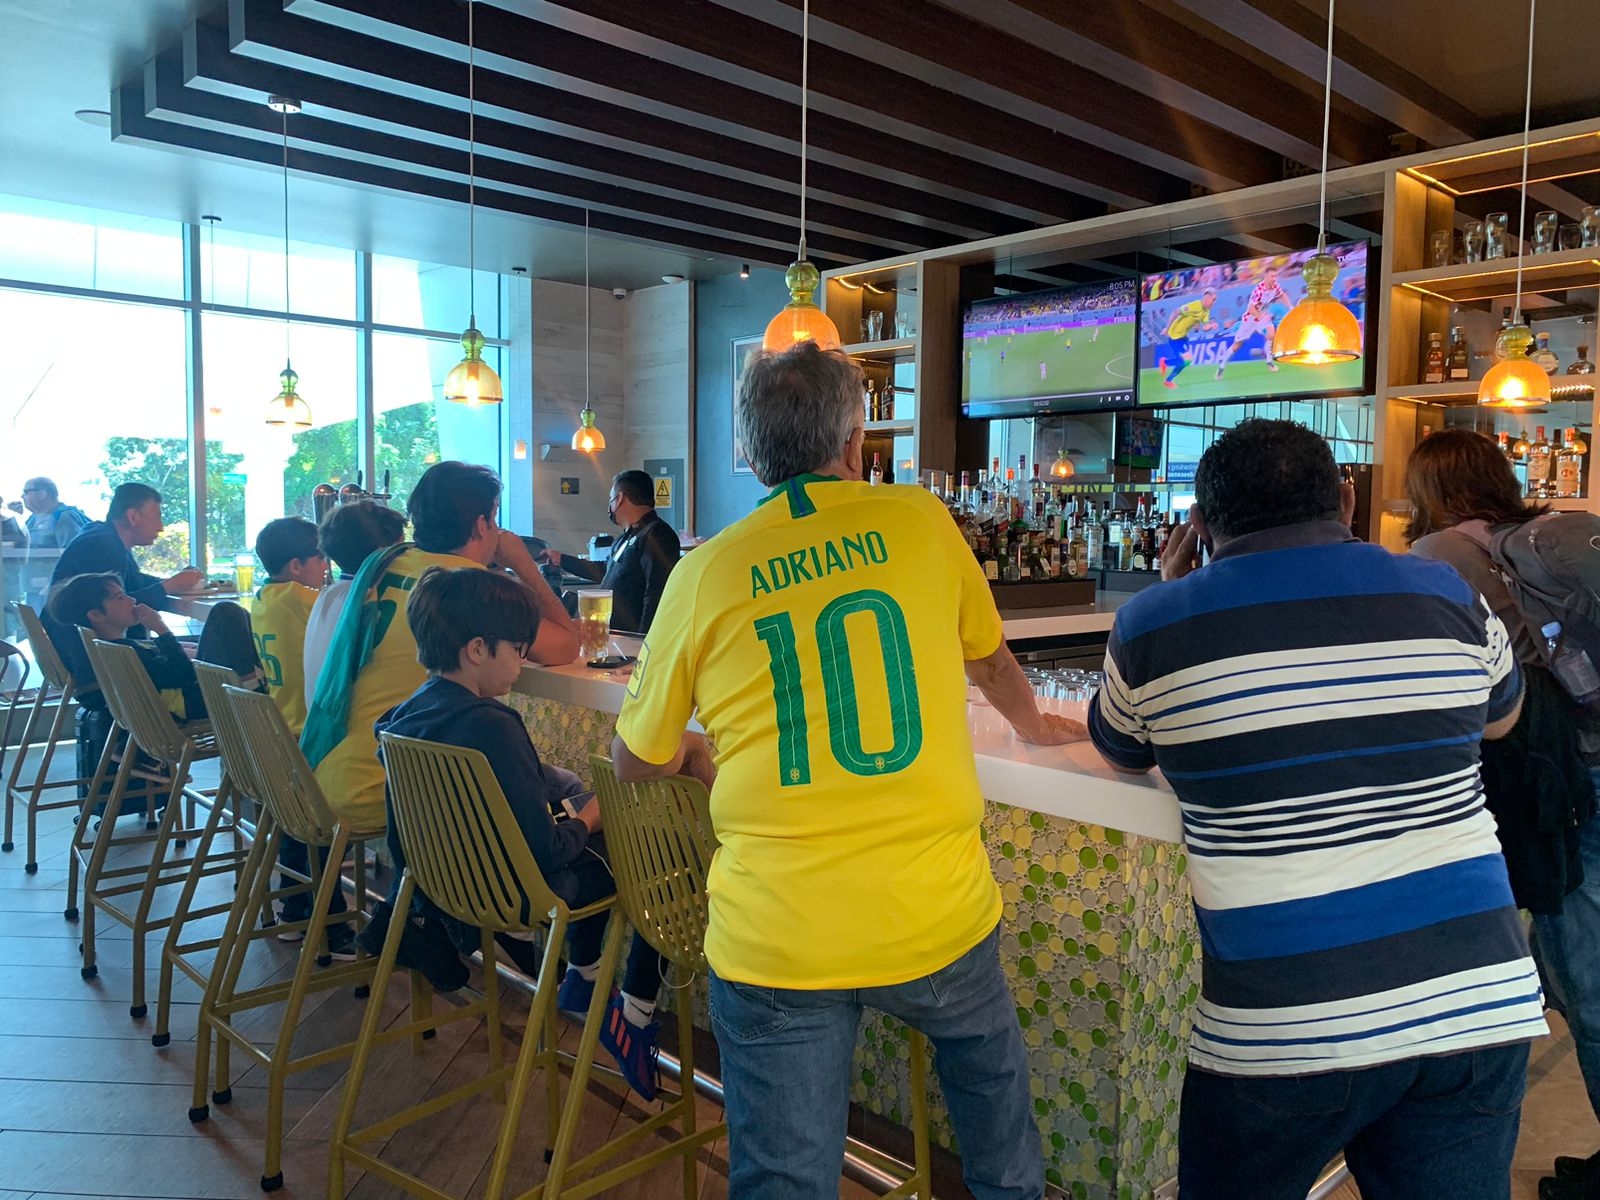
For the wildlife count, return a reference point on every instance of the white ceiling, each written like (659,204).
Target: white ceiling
(57,56)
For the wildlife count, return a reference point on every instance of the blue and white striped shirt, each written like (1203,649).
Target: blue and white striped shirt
(1317,704)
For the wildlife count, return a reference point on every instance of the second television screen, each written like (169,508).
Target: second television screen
(1065,350)
(1205,333)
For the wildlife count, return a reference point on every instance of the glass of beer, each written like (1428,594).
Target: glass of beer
(594,621)
(244,573)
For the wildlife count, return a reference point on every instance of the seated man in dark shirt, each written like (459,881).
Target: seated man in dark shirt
(133,519)
(641,559)
(472,629)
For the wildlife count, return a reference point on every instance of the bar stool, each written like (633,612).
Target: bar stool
(660,844)
(138,708)
(12,658)
(267,758)
(465,852)
(60,687)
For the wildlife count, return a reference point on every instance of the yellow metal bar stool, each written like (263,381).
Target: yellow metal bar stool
(660,842)
(152,731)
(465,852)
(59,688)
(269,761)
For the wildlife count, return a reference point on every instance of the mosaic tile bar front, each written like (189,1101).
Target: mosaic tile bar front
(1100,948)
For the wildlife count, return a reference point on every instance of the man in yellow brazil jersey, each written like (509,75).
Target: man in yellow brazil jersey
(372,664)
(822,640)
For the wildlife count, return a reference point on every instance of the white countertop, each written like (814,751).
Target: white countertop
(1071,782)
(1054,622)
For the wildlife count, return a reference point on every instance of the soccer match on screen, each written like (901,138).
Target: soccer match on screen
(1205,333)
(1066,349)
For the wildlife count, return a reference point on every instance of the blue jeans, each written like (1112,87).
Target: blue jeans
(786,1078)
(1567,949)
(1423,1127)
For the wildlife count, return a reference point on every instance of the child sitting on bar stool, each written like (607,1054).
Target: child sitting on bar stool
(472,630)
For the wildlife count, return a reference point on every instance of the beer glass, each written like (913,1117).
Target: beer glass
(594,621)
(244,573)
(1495,234)
(1472,241)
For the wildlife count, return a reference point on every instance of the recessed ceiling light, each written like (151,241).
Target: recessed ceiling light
(94,116)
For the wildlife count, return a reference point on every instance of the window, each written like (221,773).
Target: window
(84,248)
(255,472)
(94,395)
(415,426)
(244,270)
(427,296)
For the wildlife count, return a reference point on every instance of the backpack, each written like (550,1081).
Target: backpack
(1551,567)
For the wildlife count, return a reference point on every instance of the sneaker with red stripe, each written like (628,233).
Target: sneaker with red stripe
(634,1047)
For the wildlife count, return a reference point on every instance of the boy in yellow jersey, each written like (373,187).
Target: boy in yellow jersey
(372,663)
(296,571)
(1176,351)
(826,641)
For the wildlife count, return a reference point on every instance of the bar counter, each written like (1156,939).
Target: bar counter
(1098,938)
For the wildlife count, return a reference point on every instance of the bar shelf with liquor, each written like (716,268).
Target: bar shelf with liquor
(1557,270)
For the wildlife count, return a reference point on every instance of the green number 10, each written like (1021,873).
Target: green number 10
(839,685)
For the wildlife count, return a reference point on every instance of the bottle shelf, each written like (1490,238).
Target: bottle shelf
(905,427)
(1558,271)
(885,351)
(1563,388)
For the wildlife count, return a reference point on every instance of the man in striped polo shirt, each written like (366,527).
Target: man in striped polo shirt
(1317,704)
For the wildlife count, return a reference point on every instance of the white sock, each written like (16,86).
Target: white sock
(590,972)
(639,1013)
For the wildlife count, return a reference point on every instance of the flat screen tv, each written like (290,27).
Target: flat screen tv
(1063,351)
(1205,333)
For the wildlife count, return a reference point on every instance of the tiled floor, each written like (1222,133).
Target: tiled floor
(89,1108)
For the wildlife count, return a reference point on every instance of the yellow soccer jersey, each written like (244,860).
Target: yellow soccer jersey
(278,620)
(351,776)
(1187,317)
(821,640)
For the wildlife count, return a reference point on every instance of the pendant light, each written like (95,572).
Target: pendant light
(1062,468)
(472,381)
(1320,331)
(588,439)
(286,408)
(1516,381)
(801,320)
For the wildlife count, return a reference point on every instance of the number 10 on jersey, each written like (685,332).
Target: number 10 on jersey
(839,688)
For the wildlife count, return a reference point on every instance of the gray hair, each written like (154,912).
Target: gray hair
(796,410)
(49,486)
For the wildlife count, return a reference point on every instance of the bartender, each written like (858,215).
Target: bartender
(641,559)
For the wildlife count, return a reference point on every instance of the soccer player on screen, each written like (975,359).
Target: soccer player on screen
(1179,329)
(1257,319)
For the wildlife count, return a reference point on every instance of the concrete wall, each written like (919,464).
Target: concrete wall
(658,379)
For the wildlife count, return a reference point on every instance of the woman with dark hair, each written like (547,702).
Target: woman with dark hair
(1540,781)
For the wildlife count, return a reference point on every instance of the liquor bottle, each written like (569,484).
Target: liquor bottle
(1164,535)
(1539,464)
(986,558)
(1503,440)
(1433,372)
(877,471)
(886,401)
(992,483)
(1460,362)
(872,401)
(1094,534)
(1569,467)
(1008,495)
(1581,365)
(1543,355)
(1050,552)
(1076,562)
(965,498)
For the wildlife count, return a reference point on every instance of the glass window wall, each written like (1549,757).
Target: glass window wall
(95,251)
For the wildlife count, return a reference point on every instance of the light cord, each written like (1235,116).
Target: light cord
(1527,130)
(805,84)
(472,175)
(1327,113)
(586,357)
(288,325)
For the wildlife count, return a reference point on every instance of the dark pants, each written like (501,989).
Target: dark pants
(646,969)
(295,855)
(1423,1127)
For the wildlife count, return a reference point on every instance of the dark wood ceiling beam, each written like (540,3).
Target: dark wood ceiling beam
(261,29)
(1165,58)
(130,124)
(765,241)
(1297,37)
(209,66)
(959,54)
(590,68)
(756,46)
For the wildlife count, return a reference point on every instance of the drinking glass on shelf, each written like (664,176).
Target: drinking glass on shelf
(1591,225)
(875,326)
(244,573)
(1570,236)
(1472,241)
(594,621)
(1439,247)
(1544,231)
(902,323)
(1494,234)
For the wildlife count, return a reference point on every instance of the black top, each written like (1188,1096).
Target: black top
(98,548)
(442,711)
(641,560)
